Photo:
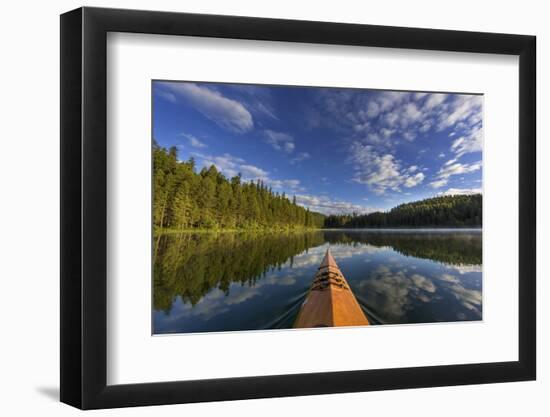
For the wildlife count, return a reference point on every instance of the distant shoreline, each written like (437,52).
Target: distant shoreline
(301,230)
(407,228)
(259,230)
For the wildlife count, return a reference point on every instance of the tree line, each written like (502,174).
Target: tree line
(190,265)
(186,199)
(444,211)
(460,248)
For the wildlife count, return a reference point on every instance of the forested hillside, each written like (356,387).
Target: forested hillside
(190,266)
(186,199)
(447,211)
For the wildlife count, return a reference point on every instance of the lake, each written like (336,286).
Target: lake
(229,281)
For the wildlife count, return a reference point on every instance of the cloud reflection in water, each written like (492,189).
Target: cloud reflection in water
(396,278)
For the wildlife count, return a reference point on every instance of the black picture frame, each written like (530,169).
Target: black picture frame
(84,207)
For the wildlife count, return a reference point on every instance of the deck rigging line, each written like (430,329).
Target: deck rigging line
(330,301)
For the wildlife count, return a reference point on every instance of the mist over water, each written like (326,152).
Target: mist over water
(227,281)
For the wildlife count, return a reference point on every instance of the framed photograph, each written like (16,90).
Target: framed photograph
(256,208)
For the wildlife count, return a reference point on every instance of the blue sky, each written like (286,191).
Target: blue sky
(337,150)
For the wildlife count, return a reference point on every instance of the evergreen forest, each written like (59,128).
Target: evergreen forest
(185,199)
(444,211)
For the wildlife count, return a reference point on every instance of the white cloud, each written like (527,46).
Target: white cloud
(280,141)
(470,142)
(226,113)
(193,141)
(461,191)
(464,115)
(326,205)
(166,95)
(439,183)
(404,116)
(289,147)
(434,100)
(423,283)
(392,289)
(353,111)
(378,121)
(386,133)
(456,168)
(414,180)
(262,108)
(373,109)
(402,113)
(449,278)
(391,120)
(227,164)
(451,168)
(231,166)
(252,172)
(464,108)
(257,99)
(385,119)
(471,299)
(381,171)
(411,114)
(465,269)
(426,126)
(291,185)
(241,296)
(300,157)
(374,139)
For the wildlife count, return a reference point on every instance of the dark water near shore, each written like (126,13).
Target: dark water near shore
(208,282)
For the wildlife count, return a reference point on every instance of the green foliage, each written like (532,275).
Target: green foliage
(190,264)
(185,199)
(446,211)
(459,248)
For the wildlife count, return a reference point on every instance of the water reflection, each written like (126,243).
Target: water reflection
(240,281)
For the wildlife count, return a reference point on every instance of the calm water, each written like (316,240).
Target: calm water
(239,281)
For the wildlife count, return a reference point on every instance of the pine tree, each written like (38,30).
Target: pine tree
(183,198)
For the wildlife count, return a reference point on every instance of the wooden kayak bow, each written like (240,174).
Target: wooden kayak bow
(330,301)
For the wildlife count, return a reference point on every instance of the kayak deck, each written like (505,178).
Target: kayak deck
(330,301)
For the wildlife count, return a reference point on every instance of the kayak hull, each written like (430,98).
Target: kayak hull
(330,301)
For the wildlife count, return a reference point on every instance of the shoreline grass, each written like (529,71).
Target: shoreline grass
(236,230)
(165,231)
